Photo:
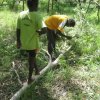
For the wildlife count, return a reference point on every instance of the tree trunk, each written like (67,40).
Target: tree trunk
(23,4)
(48,6)
(52,4)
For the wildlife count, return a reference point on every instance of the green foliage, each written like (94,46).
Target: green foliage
(6,38)
(65,70)
(11,3)
(7,53)
(70,77)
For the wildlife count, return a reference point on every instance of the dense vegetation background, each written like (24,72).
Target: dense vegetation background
(77,77)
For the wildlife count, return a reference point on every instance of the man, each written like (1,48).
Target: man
(27,37)
(54,26)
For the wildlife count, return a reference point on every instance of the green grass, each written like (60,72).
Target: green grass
(77,77)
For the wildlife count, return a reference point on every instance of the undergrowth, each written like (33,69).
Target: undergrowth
(76,77)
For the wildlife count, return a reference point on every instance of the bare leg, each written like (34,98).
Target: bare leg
(36,68)
(32,65)
(51,42)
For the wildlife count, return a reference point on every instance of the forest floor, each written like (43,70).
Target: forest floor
(76,78)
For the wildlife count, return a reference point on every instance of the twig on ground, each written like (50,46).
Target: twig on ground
(13,65)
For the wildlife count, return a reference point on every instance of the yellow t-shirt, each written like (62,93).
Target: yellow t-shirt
(55,22)
(28,23)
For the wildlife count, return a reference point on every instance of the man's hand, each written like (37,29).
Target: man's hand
(39,31)
(63,35)
(42,31)
(69,37)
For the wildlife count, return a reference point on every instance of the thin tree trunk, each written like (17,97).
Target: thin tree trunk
(98,13)
(79,4)
(52,4)
(88,6)
(48,6)
(23,4)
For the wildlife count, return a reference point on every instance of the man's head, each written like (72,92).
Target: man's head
(70,23)
(32,5)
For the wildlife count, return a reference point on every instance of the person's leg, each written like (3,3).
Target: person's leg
(36,68)
(50,48)
(32,64)
(51,41)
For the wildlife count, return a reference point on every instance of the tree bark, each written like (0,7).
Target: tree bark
(48,6)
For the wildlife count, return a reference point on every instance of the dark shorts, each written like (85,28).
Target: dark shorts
(30,53)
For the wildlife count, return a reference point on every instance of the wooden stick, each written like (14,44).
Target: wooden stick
(13,65)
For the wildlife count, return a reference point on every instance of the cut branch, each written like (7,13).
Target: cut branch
(42,72)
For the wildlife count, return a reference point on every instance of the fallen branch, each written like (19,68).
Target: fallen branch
(42,72)
(13,65)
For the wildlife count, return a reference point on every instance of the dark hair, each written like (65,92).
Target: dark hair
(32,4)
(71,22)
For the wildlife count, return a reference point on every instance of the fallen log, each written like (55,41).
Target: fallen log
(51,64)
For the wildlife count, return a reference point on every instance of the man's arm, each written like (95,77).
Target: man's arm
(62,35)
(18,38)
(42,31)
